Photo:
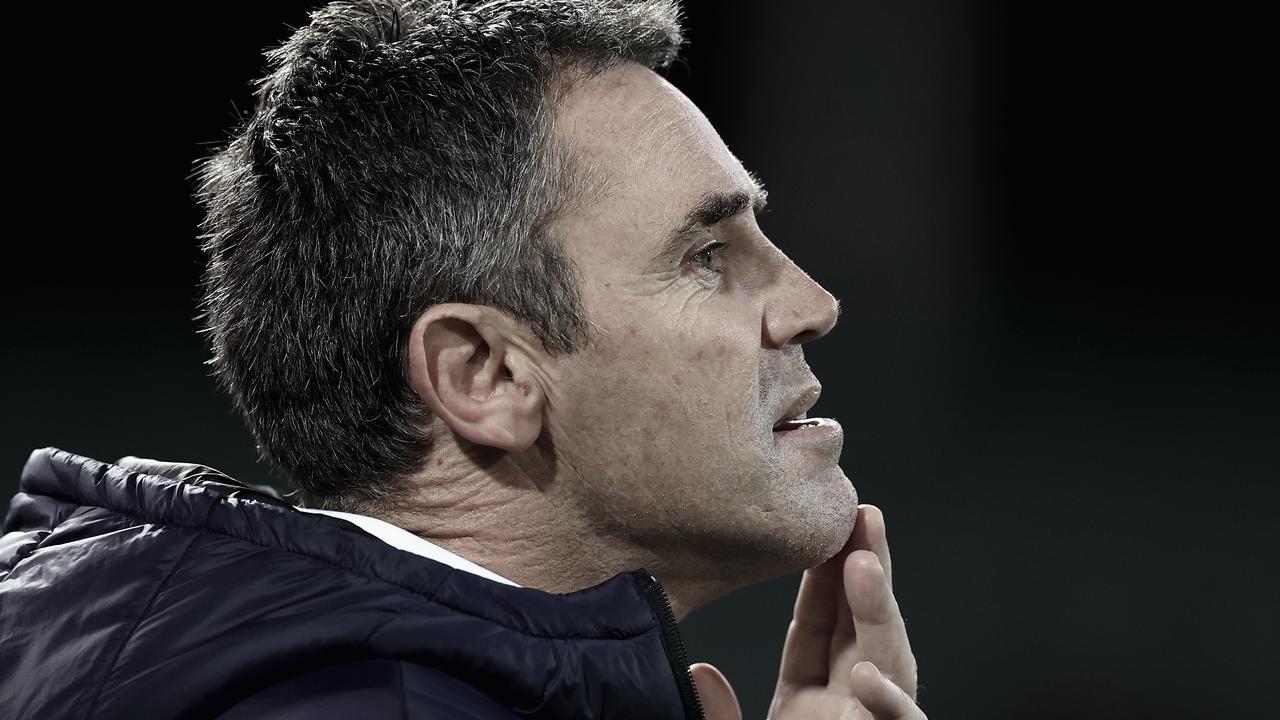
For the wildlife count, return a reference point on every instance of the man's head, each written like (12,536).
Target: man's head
(400,156)
(489,233)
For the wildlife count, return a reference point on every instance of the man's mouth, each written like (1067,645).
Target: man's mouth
(797,415)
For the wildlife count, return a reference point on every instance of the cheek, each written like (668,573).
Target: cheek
(686,384)
(669,370)
(720,383)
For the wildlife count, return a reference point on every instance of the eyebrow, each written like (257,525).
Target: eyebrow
(712,208)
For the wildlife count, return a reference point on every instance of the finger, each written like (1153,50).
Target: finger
(883,699)
(806,653)
(881,632)
(719,702)
(869,534)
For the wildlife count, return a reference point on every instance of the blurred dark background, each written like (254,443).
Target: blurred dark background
(1057,365)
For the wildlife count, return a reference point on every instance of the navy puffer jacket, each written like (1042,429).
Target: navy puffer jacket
(165,590)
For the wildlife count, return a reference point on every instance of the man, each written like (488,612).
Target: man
(491,293)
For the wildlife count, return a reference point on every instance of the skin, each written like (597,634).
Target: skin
(653,446)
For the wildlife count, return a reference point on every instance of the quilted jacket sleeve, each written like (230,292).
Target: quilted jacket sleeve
(374,689)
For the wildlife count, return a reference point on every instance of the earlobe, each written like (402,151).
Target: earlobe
(469,365)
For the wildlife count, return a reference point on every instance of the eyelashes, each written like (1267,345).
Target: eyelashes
(708,258)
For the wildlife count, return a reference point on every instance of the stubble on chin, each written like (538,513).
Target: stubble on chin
(821,522)
(765,543)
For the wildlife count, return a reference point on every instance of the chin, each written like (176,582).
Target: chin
(810,526)
(832,512)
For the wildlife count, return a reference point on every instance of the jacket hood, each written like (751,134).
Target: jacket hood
(174,588)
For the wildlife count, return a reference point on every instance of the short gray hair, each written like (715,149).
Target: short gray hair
(400,156)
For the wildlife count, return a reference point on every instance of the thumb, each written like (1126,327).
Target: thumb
(718,699)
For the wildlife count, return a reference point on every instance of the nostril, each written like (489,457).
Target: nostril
(806,336)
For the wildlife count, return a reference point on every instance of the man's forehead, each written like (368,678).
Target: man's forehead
(622,102)
(658,155)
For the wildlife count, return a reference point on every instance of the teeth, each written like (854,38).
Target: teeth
(798,418)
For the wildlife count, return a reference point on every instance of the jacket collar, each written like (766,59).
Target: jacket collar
(398,537)
(611,650)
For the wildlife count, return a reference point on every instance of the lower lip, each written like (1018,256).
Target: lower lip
(813,429)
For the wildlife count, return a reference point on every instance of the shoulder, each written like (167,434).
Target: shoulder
(378,688)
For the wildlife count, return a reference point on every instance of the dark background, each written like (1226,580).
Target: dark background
(1057,365)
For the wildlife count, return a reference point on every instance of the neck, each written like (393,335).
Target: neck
(528,528)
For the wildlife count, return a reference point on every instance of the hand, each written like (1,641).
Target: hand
(846,656)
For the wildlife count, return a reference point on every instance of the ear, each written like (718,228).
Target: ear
(475,367)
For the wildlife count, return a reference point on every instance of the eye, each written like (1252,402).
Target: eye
(707,258)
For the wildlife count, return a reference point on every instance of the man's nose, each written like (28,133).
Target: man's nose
(800,311)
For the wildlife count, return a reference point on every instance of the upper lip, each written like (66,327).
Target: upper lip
(808,398)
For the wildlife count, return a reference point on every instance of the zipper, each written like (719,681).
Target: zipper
(656,596)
